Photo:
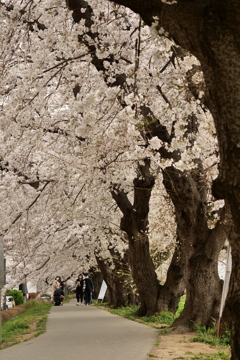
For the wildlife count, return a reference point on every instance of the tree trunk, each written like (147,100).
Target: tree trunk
(174,286)
(97,278)
(122,271)
(135,223)
(153,297)
(144,275)
(197,256)
(203,290)
(199,245)
(117,292)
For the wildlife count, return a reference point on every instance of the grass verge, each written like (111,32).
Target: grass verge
(208,336)
(218,356)
(26,325)
(157,321)
(28,322)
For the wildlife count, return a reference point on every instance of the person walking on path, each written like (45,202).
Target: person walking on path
(79,289)
(87,289)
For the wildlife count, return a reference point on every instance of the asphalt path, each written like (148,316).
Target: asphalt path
(86,332)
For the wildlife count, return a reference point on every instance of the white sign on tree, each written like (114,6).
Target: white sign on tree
(102,291)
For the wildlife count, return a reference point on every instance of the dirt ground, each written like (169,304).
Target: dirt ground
(178,346)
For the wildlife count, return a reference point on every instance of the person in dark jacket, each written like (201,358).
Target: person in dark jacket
(79,289)
(87,289)
(58,296)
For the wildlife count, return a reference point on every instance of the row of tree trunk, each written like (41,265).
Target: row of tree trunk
(194,265)
(210,31)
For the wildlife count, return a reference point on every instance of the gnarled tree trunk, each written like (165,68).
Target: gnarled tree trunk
(153,297)
(134,223)
(117,292)
(123,273)
(200,247)
(174,285)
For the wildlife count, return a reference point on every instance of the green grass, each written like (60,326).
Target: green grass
(32,321)
(208,336)
(218,356)
(165,317)
(180,306)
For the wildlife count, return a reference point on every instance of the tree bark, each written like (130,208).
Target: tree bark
(135,224)
(122,271)
(153,297)
(200,247)
(117,292)
(174,286)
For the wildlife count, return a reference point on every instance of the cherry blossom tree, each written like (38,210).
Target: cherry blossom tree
(87,121)
(208,30)
(161,135)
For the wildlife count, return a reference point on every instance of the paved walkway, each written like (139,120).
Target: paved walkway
(86,332)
